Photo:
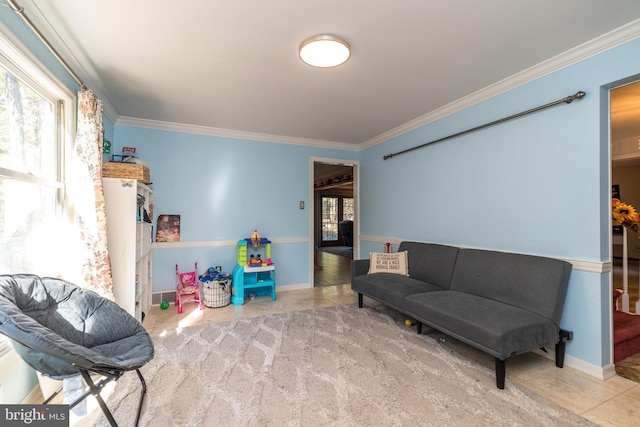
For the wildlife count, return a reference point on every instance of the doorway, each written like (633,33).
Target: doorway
(334,221)
(625,180)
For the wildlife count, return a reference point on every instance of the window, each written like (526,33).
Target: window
(329,219)
(30,178)
(33,136)
(347,209)
(334,210)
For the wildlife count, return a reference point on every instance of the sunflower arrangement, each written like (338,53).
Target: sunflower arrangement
(625,214)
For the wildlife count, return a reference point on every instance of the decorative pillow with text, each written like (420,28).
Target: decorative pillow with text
(396,262)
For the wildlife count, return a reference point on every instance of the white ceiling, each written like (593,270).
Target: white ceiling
(233,65)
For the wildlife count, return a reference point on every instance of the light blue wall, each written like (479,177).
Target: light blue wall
(108,127)
(223,189)
(539,184)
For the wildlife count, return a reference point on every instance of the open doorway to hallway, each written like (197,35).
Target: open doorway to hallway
(625,180)
(333,222)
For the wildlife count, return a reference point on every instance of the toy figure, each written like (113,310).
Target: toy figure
(255,261)
(255,239)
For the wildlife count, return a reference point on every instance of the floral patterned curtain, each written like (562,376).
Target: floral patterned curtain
(87,196)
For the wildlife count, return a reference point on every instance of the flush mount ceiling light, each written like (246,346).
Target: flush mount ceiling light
(324,51)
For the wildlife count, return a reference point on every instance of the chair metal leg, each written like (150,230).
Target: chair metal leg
(96,393)
(50,398)
(142,394)
(94,389)
(99,385)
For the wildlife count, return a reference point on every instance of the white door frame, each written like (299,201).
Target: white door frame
(312,200)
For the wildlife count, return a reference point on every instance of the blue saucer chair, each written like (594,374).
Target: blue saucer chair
(62,330)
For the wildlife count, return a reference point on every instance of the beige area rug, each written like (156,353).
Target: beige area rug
(337,366)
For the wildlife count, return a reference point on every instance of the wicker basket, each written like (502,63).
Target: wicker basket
(216,293)
(126,170)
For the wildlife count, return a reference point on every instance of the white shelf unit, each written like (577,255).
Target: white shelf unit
(129,241)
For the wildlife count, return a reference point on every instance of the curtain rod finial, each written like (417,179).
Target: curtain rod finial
(578,95)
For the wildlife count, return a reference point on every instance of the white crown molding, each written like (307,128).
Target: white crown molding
(575,55)
(631,31)
(600,44)
(229,133)
(56,37)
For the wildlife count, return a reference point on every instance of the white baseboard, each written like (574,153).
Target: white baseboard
(600,372)
(170,295)
(293,287)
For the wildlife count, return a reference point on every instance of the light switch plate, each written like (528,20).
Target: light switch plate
(301,204)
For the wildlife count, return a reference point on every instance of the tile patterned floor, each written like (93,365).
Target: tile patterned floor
(613,402)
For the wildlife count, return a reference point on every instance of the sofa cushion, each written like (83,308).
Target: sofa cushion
(499,329)
(390,288)
(534,283)
(394,263)
(431,262)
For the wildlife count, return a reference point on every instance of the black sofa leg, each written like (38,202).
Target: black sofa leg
(500,373)
(561,346)
(360,300)
(419,327)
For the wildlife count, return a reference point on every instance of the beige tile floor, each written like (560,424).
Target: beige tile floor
(613,402)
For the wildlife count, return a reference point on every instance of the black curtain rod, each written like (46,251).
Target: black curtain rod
(566,100)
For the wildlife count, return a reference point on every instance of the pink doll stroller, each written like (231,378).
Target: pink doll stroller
(188,288)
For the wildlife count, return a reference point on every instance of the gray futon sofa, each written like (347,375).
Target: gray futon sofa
(501,303)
